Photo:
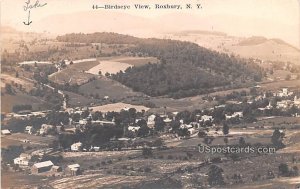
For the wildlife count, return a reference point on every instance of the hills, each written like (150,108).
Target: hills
(186,69)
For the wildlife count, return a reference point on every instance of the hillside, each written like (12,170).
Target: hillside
(250,47)
(187,69)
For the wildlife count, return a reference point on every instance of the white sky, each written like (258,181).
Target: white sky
(281,12)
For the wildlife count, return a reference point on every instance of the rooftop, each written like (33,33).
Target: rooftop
(43,164)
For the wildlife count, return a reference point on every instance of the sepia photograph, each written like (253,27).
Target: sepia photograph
(150,94)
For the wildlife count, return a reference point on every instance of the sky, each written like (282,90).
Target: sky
(283,14)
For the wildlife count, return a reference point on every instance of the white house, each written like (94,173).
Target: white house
(76,147)
(5,132)
(133,128)
(206,118)
(235,114)
(23,160)
(45,129)
(151,119)
(29,129)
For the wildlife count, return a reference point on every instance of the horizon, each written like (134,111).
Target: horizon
(252,18)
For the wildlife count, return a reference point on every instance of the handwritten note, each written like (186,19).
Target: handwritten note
(29,6)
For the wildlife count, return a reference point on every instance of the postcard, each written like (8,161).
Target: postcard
(141,94)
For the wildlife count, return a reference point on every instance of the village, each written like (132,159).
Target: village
(236,116)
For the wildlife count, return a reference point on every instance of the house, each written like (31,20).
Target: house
(151,120)
(41,167)
(285,93)
(76,147)
(297,101)
(192,131)
(45,129)
(284,104)
(235,114)
(5,132)
(73,169)
(29,130)
(187,126)
(205,118)
(23,160)
(95,148)
(133,128)
(56,169)
(167,120)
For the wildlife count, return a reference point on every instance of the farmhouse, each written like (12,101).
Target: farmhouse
(41,167)
(23,160)
(76,147)
(73,169)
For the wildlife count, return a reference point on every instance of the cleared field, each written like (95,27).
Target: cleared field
(18,138)
(94,180)
(118,107)
(5,78)
(71,76)
(103,86)
(111,67)
(116,64)
(137,61)
(34,62)
(8,101)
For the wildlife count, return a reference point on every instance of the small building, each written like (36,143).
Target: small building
(76,147)
(41,167)
(29,130)
(6,132)
(133,128)
(205,118)
(56,169)
(73,169)
(151,120)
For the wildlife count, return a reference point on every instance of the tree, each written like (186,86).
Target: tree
(242,141)
(175,124)
(159,123)
(277,138)
(225,129)
(215,176)
(183,132)
(143,131)
(283,169)
(226,140)
(9,89)
(147,152)
(202,134)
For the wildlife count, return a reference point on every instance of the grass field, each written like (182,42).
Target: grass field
(8,101)
(107,87)
(117,107)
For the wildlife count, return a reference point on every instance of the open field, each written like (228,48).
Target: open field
(117,107)
(17,180)
(116,64)
(253,47)
(106,87)
(18,138)
(8,101)
(111,67)
(8,79)
(71,76)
